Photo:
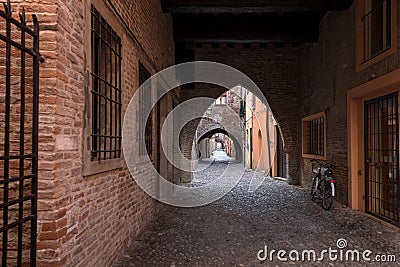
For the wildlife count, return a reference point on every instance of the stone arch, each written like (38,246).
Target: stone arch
(207,127)
(238,145)
(275,71)
(211,132)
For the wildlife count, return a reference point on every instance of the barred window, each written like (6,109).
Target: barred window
(317,137)
(106,89)
(376,31)
(377,27)
(145,127)
(314,136)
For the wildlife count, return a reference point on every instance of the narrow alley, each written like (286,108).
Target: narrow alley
(198,133)
(231,231)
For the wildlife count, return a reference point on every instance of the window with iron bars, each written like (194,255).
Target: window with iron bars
(145,126)
(377,27)
(317,137)
(314,136)
(106,89)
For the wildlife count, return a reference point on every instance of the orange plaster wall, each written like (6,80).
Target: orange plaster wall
(261,159)
(356,97)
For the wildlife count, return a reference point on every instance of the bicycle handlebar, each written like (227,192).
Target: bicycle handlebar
(323,164)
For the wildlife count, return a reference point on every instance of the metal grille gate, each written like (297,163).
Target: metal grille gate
(19,85)
(382,158)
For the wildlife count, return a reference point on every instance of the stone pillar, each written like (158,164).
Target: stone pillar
(293,162)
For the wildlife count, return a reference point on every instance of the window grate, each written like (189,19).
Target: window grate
(317,144)
(145,126)
(377,28)
(106,90)
(314,136)
(19,114)
(382,181)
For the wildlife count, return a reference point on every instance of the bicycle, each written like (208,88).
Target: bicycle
(323,184)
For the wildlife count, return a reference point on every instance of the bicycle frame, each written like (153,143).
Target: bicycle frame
(323,175)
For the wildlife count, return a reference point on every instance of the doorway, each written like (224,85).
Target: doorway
(382,158)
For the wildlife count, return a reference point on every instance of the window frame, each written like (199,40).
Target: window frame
(148,127)
(361,64)
(107,105)
(90,167)
(305,141)
(219,101)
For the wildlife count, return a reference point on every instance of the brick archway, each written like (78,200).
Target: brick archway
(285,114)
(275,71)
(215,129)
(209,126)
(211,132)
(206,125)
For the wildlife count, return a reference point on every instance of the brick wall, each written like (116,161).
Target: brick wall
(327,71)
(87,221)
(275,71)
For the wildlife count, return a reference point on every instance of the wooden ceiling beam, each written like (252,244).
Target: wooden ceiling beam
(247,29)
(252,6)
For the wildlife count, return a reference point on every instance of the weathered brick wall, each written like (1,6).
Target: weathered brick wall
(275,71)
(87,221)
(327,71)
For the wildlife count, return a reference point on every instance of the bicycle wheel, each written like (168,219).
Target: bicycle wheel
(313,188)
(327,197)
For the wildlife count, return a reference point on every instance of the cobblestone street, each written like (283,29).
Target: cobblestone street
(231,231)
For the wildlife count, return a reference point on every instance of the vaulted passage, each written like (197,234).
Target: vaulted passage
(112,109)
(275,71)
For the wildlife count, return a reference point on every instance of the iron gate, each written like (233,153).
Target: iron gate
(382,158)
(19,85)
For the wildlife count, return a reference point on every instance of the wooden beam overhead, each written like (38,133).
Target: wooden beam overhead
(247,29)
(252,6)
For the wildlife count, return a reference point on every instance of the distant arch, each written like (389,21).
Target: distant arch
(216,130)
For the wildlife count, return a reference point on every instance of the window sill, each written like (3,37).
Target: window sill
(376,59)
(311,156)
(96,167)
